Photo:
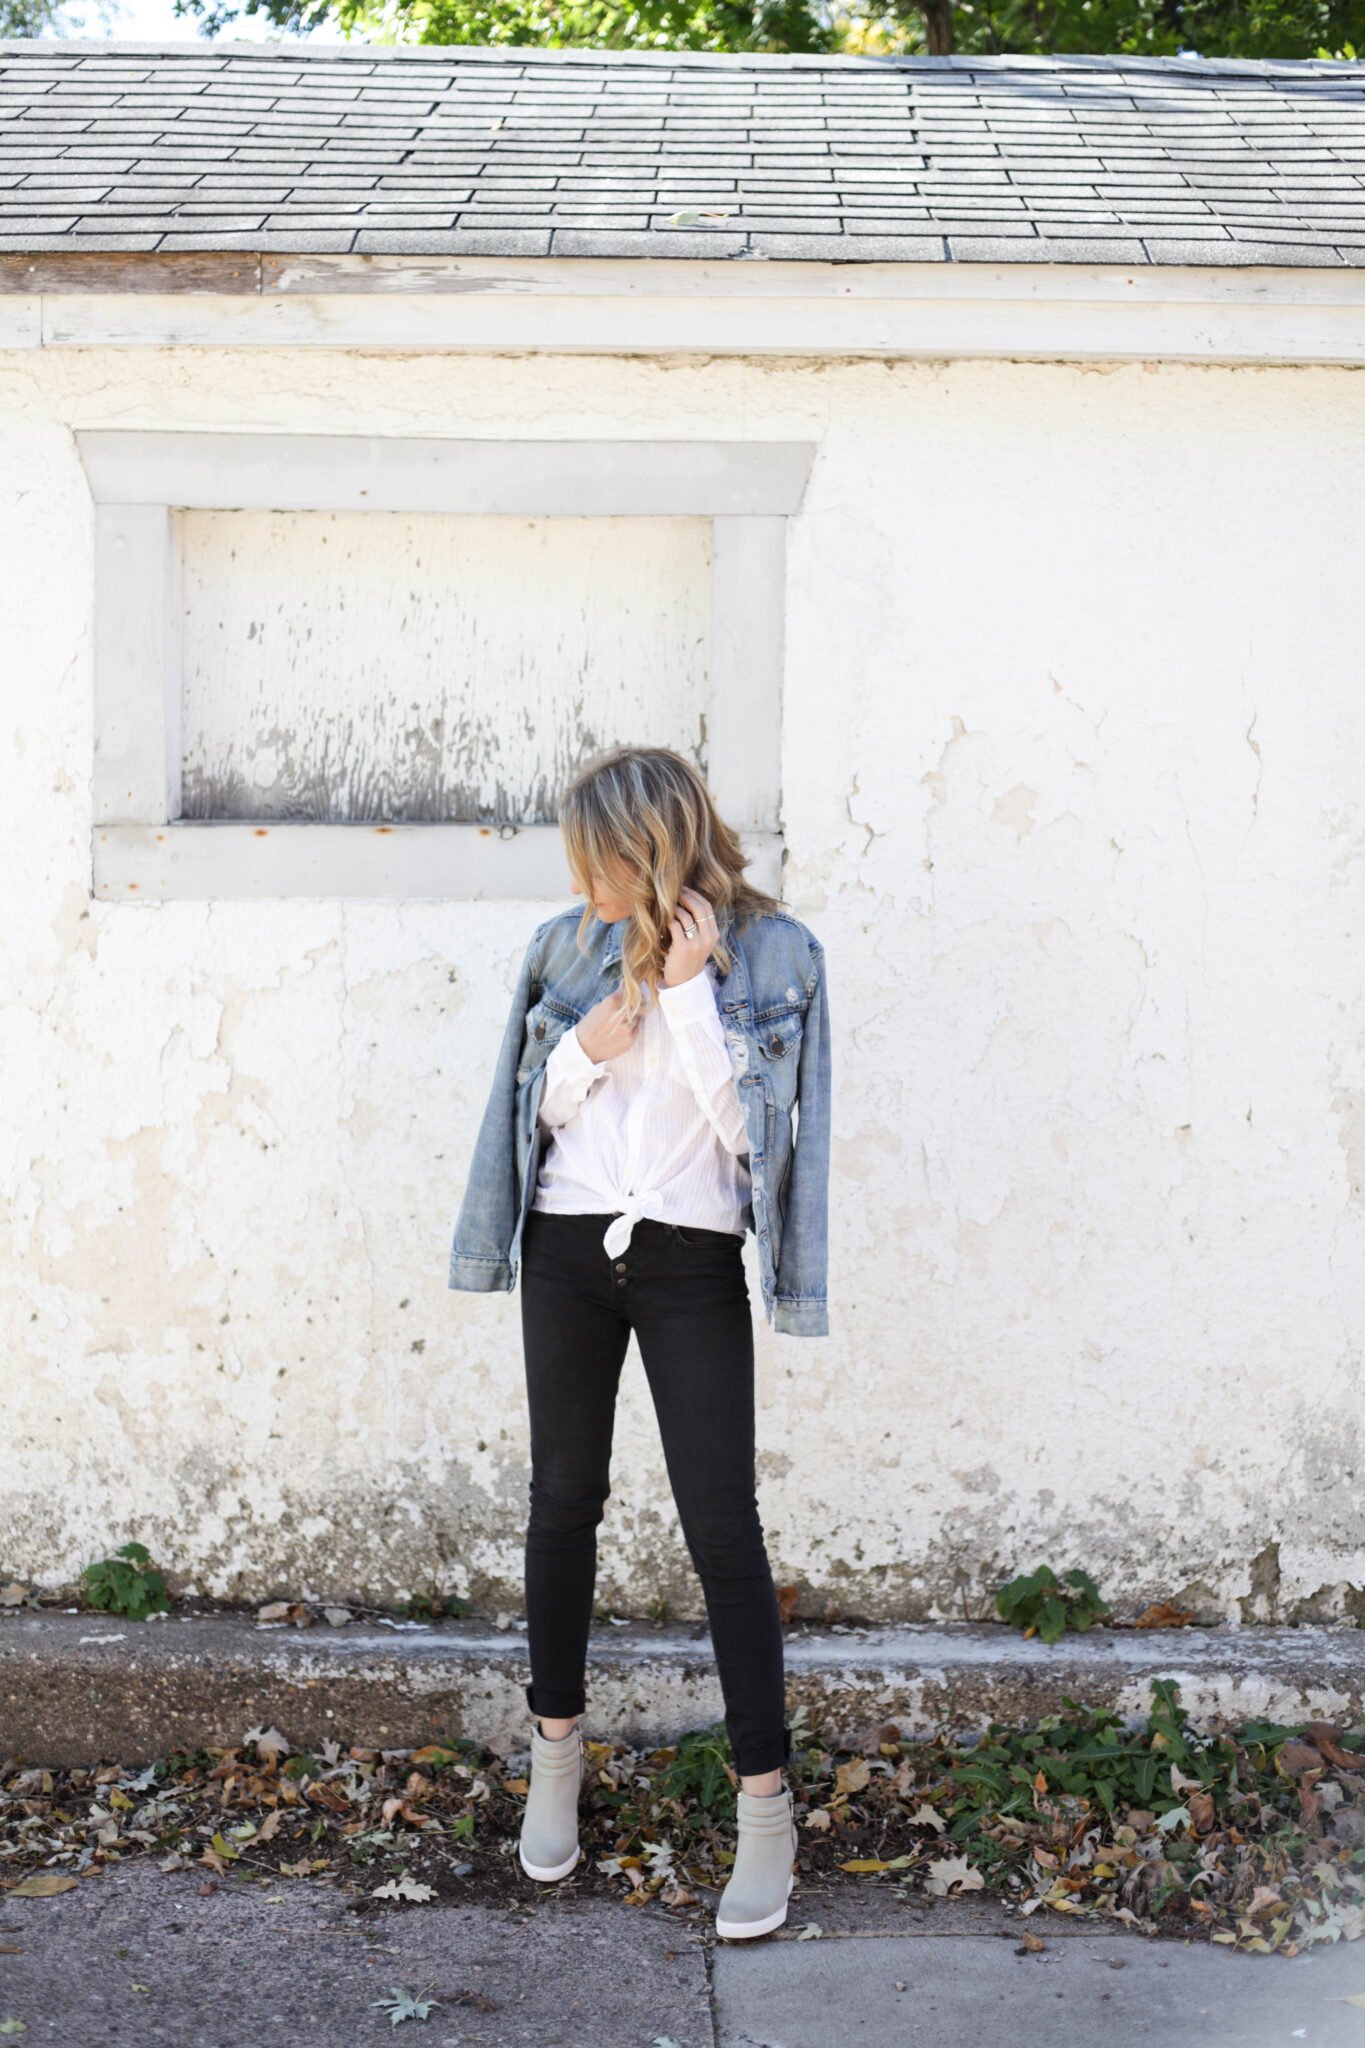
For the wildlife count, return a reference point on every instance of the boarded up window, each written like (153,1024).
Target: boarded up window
(431,667)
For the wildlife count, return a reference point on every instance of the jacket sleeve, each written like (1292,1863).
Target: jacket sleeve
(569,1077)
(800,1302)
(694,1023)
(480,1248)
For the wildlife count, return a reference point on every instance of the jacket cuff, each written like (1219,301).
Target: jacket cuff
(480,1276)
(801,1315)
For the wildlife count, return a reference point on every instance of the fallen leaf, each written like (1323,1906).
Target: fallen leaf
(404,1887)
(1162,1614)
(947,1871)
(1201,1811)
(45,1885)
(1325,1736)
(269,1741)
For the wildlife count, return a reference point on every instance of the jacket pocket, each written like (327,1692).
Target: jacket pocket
(546,1023)
(779,1044)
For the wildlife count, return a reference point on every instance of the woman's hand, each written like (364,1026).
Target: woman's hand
(602,1031)
(687,956)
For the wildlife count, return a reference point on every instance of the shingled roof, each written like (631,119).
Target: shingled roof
(520,152)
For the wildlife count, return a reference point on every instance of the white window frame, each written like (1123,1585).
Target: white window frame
(144,851)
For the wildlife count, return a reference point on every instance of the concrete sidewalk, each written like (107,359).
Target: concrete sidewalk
(146,1957)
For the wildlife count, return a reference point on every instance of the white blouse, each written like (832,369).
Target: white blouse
(657,1131)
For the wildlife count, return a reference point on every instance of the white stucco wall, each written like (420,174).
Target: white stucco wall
(1071,754)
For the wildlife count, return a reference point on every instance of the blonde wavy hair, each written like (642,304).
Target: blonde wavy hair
(642,822)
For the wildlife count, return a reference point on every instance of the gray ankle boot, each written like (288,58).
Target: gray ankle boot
(549,1829)
(755,1899)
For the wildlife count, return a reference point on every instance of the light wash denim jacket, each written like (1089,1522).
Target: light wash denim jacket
(775,1010)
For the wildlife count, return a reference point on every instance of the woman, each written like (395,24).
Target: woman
(664,1048)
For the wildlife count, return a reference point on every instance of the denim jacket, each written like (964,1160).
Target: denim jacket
(775,1012)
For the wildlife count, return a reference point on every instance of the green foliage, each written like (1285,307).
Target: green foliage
(1041,1604)
(120,1585)
(697,1773)
(995,28)
(767,25)
(302,1765)
(433,1606)
(1150,28)
(1089,1753)
(20,18)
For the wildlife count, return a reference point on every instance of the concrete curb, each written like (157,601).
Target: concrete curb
(90,1688)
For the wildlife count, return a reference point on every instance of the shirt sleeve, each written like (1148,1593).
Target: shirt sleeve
(569,1076)
(694,1021)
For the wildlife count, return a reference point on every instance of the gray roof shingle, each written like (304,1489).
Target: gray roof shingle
(467,151)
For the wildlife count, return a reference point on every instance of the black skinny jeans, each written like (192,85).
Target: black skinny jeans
(684,1293)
